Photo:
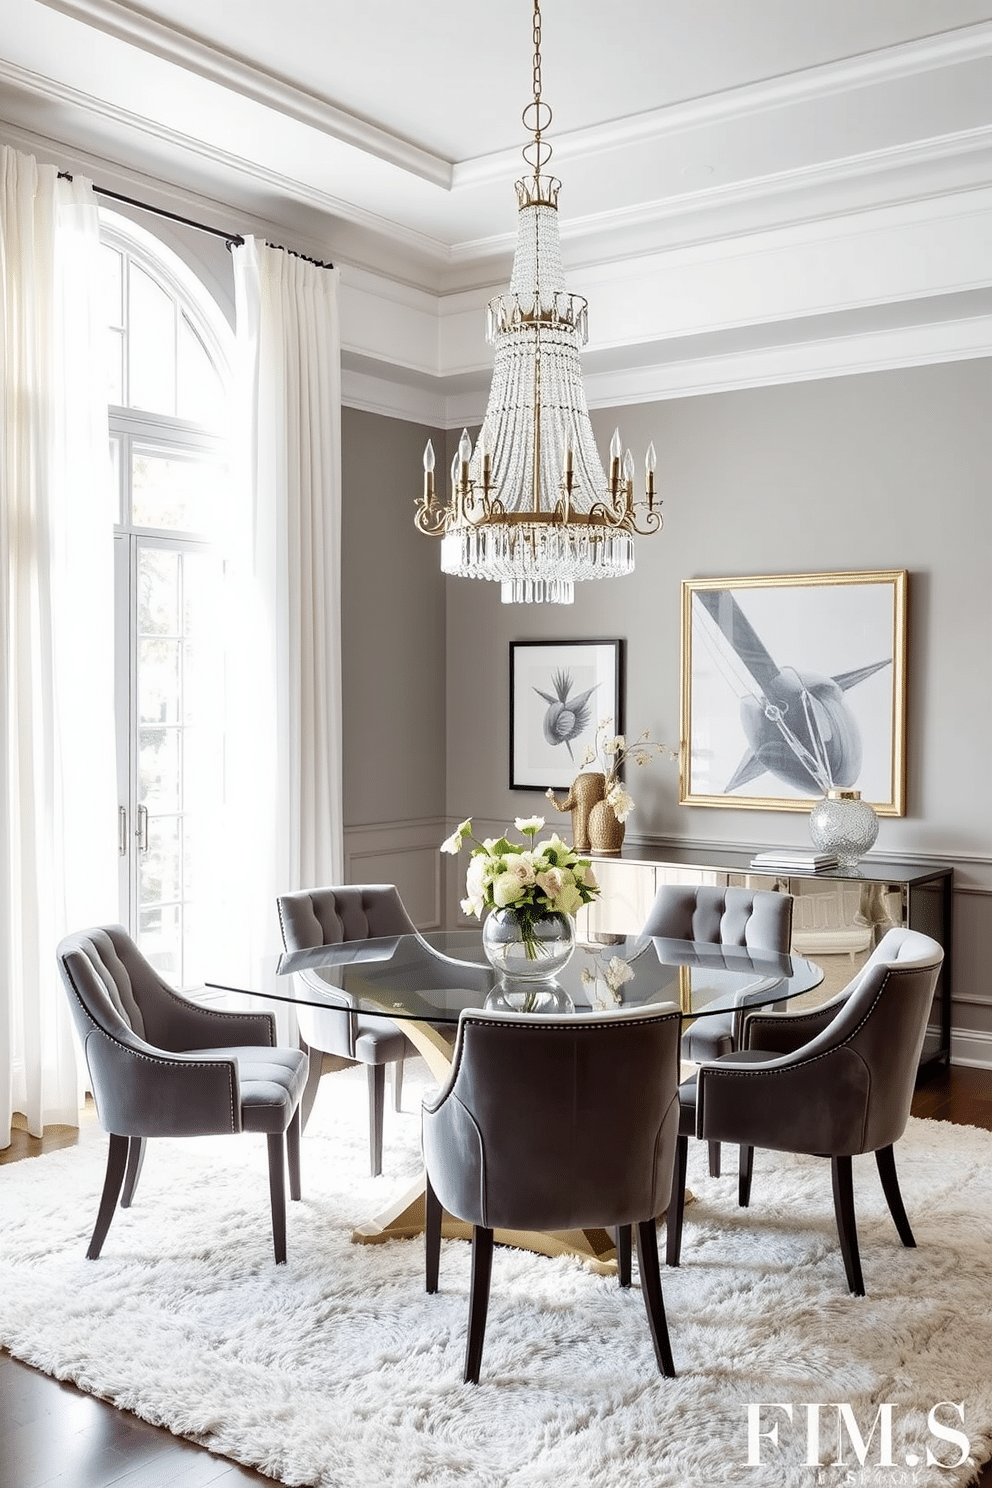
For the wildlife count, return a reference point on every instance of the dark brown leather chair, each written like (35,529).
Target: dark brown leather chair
(163,1066)
(757,919)
(330,916)
(555,1123)
(847,1088)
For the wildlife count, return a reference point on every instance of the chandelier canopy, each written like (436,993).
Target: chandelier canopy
(532,506)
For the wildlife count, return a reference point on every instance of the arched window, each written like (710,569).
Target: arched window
(168,370)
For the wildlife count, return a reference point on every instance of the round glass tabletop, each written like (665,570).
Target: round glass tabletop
(433,976)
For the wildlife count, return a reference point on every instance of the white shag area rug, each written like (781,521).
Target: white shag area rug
(338,1369)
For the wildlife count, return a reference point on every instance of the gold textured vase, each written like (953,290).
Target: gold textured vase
(587,789)
(605,830)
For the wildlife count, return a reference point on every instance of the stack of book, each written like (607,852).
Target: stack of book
(793,860)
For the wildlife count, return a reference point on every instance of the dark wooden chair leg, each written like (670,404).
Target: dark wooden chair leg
(623,1254)
(114,1177)
(714,1159)
(745,1169)
(650,1274)
(277,1194)
(478,1302)
(398,1084)
(135,1158)
(885,1161)
(377,1101)
(314,1072)
(843,1184)
(293,1154)
(432,1236)
(676,1204)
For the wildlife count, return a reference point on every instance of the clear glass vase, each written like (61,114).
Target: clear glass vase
(527,953)
(843,824)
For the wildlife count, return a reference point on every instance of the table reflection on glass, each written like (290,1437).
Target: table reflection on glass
(426,980)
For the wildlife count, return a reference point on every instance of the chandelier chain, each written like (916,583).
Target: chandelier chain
(537,52)
(537,115)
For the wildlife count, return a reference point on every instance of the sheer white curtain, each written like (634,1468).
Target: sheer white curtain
(58,853)
(284,763)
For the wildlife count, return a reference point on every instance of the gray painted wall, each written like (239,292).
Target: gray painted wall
(393,628)
(879,471)
(885,470)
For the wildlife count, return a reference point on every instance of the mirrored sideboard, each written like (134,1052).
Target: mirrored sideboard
(838,917)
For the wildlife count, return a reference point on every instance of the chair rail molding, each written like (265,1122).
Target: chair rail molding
(404,853)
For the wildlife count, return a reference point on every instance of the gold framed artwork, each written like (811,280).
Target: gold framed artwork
(791,686)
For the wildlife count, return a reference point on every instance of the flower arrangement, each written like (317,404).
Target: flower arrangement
(611,752)
(603,984)
(535,879)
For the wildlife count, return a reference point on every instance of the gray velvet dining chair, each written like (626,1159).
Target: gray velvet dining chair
(757,919)
(161,1065)
(844,1088)
(330,916)
(555,1123)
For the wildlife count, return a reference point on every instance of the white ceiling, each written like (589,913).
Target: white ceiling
(403,121)
(387,134)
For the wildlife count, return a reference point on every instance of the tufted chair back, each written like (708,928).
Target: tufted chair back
(116,989)
(756,918)
(331,916)
(328,916)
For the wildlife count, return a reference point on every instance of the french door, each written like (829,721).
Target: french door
(170,685)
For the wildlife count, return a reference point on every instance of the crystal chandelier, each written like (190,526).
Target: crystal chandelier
(532,506)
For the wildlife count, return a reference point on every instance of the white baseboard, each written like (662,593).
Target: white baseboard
(971,1047)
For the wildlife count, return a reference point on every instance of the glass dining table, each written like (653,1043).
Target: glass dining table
(426,980)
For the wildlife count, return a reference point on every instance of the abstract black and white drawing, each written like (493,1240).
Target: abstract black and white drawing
(559,692)
(792,686)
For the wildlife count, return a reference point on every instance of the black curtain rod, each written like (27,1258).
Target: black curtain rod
(231,239)
(216,232)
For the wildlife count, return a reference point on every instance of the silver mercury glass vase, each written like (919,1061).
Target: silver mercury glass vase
(843,824)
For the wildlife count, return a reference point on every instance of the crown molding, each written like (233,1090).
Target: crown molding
(908,59)
(276,184)
(735,106)
(139,29)
(788,198)
(692,377)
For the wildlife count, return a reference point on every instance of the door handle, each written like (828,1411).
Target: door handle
(122,831)
(142,829)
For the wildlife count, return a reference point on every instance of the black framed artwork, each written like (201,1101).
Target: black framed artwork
(560,691)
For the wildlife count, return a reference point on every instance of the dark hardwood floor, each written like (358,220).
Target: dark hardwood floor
(54,1436)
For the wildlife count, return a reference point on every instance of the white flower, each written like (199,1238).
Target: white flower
(453,844)
(552,881)
(621,802)
(534,880)
(521,867)
(506,890)
(569,900)
(618,972)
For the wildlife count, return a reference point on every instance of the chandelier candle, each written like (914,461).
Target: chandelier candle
(532,507)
